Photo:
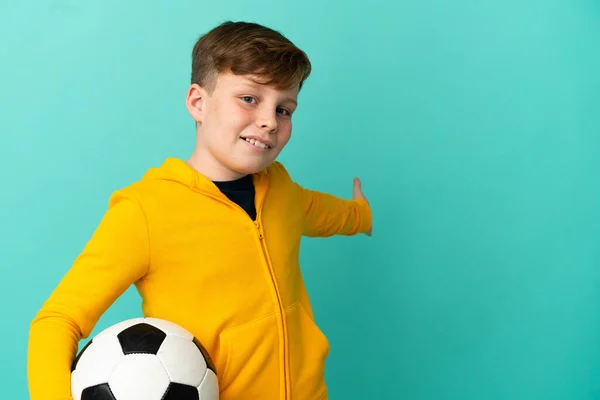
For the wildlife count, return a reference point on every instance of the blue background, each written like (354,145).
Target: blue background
(475,127)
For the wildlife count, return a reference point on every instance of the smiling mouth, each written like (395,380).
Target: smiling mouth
(257,143)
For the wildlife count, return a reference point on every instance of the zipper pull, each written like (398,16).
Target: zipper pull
(260,235)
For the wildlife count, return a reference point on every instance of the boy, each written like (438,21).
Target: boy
(212,243)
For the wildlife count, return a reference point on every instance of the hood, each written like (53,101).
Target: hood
(177,170)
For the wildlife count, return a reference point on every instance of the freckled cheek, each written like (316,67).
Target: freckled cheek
(239,117)
(284,137)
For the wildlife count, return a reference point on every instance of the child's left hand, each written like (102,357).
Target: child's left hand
(357,193)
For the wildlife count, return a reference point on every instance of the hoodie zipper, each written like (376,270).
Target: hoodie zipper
(280,315)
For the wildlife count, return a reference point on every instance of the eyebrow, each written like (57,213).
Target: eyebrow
(258,87)
(290,100)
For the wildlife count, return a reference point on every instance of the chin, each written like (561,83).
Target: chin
(249,169)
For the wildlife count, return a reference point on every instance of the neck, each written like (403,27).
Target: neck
(203,163)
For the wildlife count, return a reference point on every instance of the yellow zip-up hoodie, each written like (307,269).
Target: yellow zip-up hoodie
(198,260)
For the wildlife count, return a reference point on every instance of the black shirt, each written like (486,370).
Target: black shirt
(241,192)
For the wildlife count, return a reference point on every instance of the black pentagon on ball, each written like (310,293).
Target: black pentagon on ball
(98,392)
(141,338)
(178,391)
(209,362)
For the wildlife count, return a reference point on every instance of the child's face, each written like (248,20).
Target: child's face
(242,125)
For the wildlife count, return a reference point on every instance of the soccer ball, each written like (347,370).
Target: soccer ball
(144,358)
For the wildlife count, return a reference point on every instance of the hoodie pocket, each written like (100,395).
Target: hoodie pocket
(250,360)
(308,350)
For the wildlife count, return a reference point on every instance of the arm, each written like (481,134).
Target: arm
(326,215)
(116,256)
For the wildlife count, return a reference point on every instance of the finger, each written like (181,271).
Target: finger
(356,189)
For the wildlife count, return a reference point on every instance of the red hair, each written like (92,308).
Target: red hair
(245,48)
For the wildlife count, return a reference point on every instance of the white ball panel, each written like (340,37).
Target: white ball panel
(98,361)
(209,388)
(114,330)
(182,360)
(76,387)
(139,376)
(169,328)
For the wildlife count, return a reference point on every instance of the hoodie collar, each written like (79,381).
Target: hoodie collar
(178,170)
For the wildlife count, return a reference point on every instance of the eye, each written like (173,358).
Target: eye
(283,111)
(248,99)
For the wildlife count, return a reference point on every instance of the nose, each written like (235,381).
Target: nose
(267,121)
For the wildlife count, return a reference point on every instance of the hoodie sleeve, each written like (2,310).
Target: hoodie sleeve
(114,258)
(326,215)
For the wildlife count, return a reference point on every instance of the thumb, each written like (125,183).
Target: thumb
(356,188)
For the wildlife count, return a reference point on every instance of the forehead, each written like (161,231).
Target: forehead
(232,82)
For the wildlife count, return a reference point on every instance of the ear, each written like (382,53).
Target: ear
(194,101)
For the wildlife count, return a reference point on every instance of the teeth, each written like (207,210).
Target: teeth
(257,143)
